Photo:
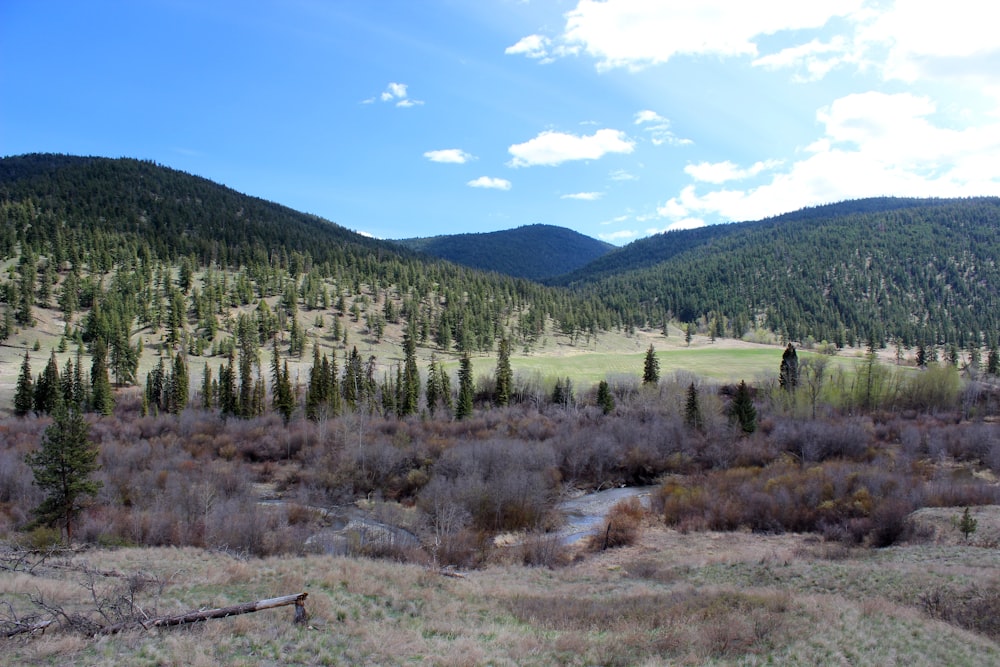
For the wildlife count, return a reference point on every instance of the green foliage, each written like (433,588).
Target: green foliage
(692,408)
(788,372)
(967,524)
(605,399)
(742,409)
(463,408)
(62,467)
(504,375)
(650,367)
(24,393)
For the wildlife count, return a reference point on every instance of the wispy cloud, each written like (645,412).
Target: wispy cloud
(584,196)
(622,235)
(720,172)
(553,148)
(490,183)
(449,156)
(658,129)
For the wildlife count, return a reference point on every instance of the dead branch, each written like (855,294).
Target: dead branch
(222,612)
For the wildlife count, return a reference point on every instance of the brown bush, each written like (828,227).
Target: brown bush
(623,526)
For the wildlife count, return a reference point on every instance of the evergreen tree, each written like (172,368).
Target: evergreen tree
(688,334)
(179,386)
(101,396)
(409,380)
(993,360)
(62,467)
(788,373)
(283,399)
(465,388)
(228,401)
(48,388)
(692,409)
(742,410)
(24,393)
(433,388)
(207,395)
(504,376)
(651,368)
(605,399)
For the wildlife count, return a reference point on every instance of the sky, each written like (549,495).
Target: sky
(616,118)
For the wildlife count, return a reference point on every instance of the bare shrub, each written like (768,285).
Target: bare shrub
(539,549)
(623,525)
(975,608)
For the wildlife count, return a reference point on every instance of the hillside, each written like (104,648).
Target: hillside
(913,271)
(536,252)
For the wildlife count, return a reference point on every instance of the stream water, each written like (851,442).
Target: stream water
(585,514)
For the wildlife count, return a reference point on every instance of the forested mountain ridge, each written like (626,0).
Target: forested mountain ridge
(908,270)
(536,252)
(87,218)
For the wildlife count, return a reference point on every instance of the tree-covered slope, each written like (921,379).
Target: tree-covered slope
(913,270)
(535,252)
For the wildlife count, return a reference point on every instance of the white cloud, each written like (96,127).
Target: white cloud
(685,223)
(585,196)
(622,235)
(817,58)
(639,33)
(396,92)
(449,156)
(532,46)
(553,148)
(874,144)
(933,40)
(622,175)
(658,128)
(490,183)
(720,172)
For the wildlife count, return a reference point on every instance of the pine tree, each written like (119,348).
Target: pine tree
(465,388)
(62,467)
(24,394)
(692,409)
(742,410)
(207,395)
(179,385)
(433,387)
(651,368)
(504,376)
(688,334)
(48,387)
(605,399)
(993,360)
(409,385)
(101,396)
(788,373)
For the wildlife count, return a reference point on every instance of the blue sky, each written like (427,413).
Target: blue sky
(618,119)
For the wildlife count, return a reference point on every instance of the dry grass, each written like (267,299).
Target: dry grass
(700,598)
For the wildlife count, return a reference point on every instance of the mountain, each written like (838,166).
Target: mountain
(535,252)
(119,222)
(913,270)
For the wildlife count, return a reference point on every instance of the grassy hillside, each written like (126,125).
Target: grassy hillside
(536,252)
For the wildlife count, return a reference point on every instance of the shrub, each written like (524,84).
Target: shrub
(623,525)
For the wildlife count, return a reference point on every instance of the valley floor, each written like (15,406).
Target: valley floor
(672,598)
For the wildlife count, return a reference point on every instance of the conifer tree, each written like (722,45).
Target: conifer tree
(605,399)
(409,380)
(179,385)
(993,360)
(692,409)
(742,410)
(651,368)
(62,467)
(463,408)
(504,376)
(207,395)
(433,388)
(788,372)
(48,387)
(101,396)
(24,393)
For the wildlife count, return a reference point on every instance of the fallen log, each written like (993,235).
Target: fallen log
(21,628)
(222,612)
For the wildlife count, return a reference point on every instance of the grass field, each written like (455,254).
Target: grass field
(692,599)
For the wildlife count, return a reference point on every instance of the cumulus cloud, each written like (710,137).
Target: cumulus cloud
(873,144)
(584,196)
(397,93)
(449,156)
(639,33)
(552,148)
(489,183)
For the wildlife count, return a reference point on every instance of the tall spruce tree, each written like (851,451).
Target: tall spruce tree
(101,396)
(24,393)
(742,409)
(504,376)
(651,367)
(788,372)
(463,408)
(62,467)
(692,408)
